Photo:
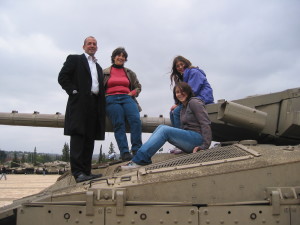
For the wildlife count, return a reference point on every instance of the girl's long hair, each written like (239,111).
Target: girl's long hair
(175,75)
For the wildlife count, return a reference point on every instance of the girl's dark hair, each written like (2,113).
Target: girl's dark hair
(118,51)
(184,87)
(175,75)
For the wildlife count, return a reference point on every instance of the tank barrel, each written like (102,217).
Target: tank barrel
(242,116)
(57,120)
(269,119)
(32,119)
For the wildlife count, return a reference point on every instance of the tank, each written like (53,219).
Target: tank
(250,177)
(23,168)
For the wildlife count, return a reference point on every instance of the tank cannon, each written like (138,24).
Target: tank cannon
(251,178)
(270,118)
(56,120)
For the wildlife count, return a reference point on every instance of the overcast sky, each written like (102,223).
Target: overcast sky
(245,48)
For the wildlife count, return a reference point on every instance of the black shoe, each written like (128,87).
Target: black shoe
(126,157)
(95,175)
(83,177)
(133,152)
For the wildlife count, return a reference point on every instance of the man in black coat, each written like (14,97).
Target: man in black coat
(82,78)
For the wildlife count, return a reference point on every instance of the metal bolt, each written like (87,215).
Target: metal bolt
(192,211)
(106,196)
(108,210)
(205,212)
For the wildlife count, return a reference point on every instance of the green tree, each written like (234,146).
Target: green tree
(65,153)
(34,157)
(40,159)
(58,157)
(15,161)
(29,158)
(111,152)
(47,158)
(100,159)
(3,156)
(111,148)
(23,160)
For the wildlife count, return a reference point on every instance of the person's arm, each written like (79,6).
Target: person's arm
(66,75)
(201,115)
(173,107)
(136,87)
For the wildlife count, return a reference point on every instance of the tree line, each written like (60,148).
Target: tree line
(17,158)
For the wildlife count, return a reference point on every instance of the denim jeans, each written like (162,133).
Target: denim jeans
(119,109)
(186,140)
(175,116)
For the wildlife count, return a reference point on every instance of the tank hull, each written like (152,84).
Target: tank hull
(235,184)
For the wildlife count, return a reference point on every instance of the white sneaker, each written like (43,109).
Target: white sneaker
(176,151)
(130,165)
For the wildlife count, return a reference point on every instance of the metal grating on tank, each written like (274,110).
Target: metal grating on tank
(208,157)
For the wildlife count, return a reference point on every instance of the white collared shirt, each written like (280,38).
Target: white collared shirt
(95,83)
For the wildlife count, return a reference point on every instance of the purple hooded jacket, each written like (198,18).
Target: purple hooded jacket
(196,78)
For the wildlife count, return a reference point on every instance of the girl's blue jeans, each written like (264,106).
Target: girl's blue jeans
(119,109)
(185,140)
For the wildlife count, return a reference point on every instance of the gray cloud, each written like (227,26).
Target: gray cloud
(245,47)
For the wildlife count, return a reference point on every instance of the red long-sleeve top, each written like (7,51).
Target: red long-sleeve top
(118,82)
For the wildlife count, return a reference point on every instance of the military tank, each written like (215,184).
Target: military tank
(250,177)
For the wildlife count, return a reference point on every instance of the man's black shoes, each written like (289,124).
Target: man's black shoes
(126,157)
(95,176)
(83,177)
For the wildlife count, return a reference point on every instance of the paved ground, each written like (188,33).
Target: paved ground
(17,186)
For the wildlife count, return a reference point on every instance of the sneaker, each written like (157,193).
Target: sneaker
(133,152)
(176,151)
(126,157)
(130,165)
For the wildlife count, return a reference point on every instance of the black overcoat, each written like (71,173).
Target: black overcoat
(75,75)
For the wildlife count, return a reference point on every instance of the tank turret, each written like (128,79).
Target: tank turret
(270,119)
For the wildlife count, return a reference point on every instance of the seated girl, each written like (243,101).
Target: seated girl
(194,136)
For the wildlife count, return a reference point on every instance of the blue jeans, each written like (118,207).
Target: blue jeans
(186,140)
(119,109)
(175,116)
